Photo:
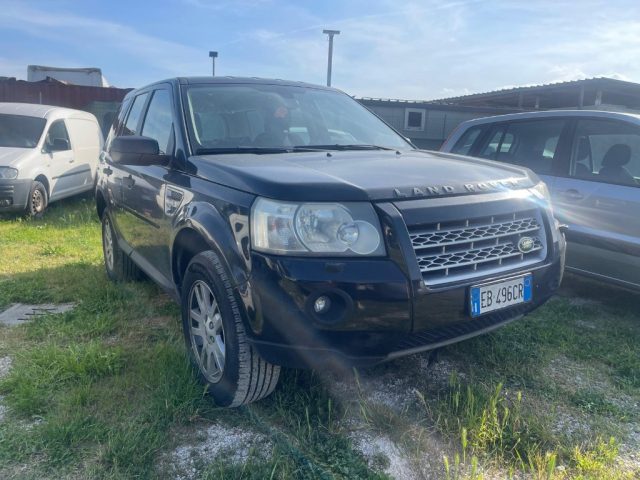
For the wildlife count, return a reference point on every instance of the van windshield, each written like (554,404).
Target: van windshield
(20,131)
(255,118)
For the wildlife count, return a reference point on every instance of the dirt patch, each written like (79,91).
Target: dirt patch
(215,442)
(397,442)
(583,302)
(573,376)
(382,453)
(160,322)
(576,379)
(396,384)
(5,366)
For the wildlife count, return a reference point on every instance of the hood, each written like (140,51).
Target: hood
(11,156)
(359,175)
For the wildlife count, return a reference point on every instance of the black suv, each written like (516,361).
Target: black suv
(297,229)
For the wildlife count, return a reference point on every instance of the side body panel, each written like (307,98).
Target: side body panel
(86,141)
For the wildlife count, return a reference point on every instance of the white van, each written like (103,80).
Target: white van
(46,154)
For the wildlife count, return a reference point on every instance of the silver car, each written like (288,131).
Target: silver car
(590,161)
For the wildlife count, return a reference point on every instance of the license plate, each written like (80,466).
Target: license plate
(498,295)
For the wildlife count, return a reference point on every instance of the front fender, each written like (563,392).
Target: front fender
(228,234)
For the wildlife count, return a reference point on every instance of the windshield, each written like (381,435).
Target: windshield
(258,117)
(20,131)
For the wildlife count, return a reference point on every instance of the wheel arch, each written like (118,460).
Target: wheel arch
(42,178)
(203,228)
(101,203)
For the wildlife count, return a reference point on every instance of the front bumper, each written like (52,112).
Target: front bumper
(382,317)
(14,194)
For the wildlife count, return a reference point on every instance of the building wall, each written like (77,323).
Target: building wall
(438,120)
(102,102)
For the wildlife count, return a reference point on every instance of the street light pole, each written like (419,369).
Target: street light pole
(331,33)
(213,56)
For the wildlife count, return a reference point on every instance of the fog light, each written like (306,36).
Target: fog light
(322,304)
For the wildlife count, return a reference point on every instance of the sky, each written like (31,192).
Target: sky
(413,49)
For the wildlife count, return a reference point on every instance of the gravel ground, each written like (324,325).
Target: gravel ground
(211,443)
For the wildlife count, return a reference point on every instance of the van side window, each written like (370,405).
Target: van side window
(466,141)
(57,137)
(158,123)
(131,125)
(606,151)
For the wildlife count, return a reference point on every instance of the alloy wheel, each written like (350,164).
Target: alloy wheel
(206,331)
(107,244)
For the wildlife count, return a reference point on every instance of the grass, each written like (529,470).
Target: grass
(105,390)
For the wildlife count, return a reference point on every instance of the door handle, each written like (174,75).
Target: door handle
(107,171)
(572,194)
(128,181)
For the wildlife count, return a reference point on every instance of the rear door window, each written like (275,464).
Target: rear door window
(606,151)
(532,144)
(133,119)
(118,123)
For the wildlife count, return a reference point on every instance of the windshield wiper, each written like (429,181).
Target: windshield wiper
(355,146)
(256,150)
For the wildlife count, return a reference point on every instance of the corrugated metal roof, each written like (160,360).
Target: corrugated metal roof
(602,81)
(599,81)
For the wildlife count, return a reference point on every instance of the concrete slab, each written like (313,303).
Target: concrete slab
(19,313)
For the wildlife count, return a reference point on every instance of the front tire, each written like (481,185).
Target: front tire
(216,339)
(119,267)
(38,200)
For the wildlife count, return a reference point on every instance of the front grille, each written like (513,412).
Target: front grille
(472,247)
(6,192)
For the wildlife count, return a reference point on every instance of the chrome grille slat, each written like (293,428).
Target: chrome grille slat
(473,247)
(428,239)
(498,252)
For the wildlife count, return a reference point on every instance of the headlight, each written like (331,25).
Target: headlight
(340,229)
(8,173)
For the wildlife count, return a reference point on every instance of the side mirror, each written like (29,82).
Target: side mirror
(136,150)
(59,145)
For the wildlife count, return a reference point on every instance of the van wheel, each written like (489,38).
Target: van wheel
(120,268)
(37,201)
(215,336)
